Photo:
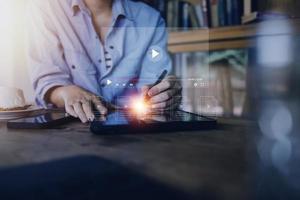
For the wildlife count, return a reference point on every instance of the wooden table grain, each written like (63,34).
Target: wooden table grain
(189,161)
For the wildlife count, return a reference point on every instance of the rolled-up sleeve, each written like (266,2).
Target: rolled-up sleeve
(47,66)
(152,69)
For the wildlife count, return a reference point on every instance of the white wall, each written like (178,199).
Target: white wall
(13,66)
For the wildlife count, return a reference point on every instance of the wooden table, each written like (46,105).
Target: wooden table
(201,164)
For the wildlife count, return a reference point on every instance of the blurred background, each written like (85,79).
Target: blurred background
(209,42)
(234,57)
(213,44)
(13,67)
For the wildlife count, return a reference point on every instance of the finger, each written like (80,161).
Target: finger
(70,110)
(102,118)
(161,87)
(162,105)
(145,89)
(162,97)
(79,111)
(113,107)
(87,108)
(169,104)
(99,106)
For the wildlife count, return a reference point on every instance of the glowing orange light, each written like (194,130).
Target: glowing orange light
(139,106)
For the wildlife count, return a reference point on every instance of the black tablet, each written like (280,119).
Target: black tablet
(124,122)
(49,120)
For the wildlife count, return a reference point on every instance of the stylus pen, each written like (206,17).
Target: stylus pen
(159,80)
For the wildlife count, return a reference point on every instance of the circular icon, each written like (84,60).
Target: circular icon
(155,53)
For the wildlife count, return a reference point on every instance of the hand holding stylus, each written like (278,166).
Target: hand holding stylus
(165,94)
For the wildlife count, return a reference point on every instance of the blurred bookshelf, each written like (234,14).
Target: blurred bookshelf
(212,25)
(183,15)
(214,39)
(209,42)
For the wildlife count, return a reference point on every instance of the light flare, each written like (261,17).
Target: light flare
(139,106)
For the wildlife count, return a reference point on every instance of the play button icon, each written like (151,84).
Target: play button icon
(155,53)
(108,82)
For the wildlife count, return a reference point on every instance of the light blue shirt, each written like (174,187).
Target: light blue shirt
(64,48)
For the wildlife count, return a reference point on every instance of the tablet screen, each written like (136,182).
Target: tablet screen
(124,122)
(124,117)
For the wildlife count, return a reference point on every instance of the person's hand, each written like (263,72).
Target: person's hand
(165,95)
(77,102)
